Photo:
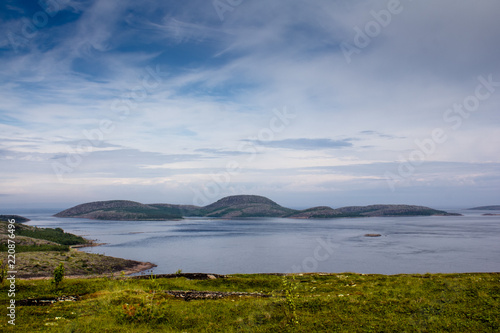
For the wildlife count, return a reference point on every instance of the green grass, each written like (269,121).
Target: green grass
(323,303)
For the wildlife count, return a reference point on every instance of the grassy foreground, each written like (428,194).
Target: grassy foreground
(302,303)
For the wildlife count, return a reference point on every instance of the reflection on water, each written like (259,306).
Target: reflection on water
(467,243)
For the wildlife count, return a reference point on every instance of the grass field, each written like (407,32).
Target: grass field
(302,303)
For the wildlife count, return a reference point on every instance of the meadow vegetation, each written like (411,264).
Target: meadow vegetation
(303,303)
(56,235)
(317,302)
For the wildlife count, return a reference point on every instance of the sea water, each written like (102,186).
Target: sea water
(446,244)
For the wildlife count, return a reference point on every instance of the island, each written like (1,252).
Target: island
(495,207)
(17,218)
(123,210)
(237,206)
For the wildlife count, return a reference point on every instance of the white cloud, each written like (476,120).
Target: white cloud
(219,83)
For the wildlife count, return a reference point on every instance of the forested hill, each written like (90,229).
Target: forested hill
(238,206)
(121,210)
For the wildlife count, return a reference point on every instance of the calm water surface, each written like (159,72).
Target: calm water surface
(469,243)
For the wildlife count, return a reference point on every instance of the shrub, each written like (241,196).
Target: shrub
(290,287)
(3,271)
(58,274)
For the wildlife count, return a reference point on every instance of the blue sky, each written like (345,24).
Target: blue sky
(309,103)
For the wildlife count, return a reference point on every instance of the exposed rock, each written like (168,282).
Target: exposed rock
(47,301)
(190,276)
(192,295)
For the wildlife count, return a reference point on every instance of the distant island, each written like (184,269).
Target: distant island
(497,207)
(17,218)
(238,206)
(123,210)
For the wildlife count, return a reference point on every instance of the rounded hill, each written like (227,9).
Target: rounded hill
(245,206)
(241,200)
(236,206)
(121,210)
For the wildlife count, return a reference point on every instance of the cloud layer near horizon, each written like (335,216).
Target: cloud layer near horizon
(324,102)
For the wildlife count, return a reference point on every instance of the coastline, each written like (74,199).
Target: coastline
(34,264)
(90,265)
(90,244)
(139,267)
(121,267)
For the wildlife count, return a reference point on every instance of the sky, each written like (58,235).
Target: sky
(324,102)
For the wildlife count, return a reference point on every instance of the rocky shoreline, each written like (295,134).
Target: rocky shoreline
(41,250)
(140,267)
(40,265)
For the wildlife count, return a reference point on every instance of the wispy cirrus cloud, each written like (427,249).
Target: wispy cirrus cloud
(305,143)
(381,135)
(219,81)
(222,152)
